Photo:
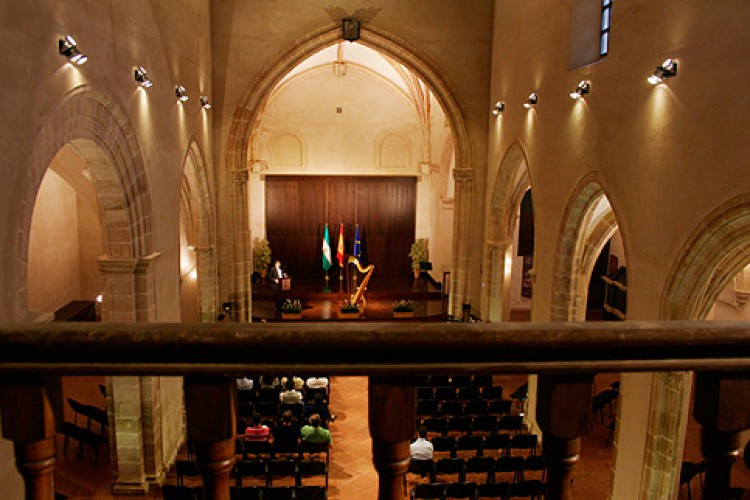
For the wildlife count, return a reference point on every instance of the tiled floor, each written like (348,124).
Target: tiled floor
(352,476)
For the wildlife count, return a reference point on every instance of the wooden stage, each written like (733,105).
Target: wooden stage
(321,301)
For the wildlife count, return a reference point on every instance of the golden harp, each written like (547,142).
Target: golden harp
(359,295)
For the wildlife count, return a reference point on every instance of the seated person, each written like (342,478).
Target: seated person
(257,431)
(314,433)
(317,382)
(268,381)
(244,384)
(298,382)
(290,396)
(318,406)
(421,449)
(287,433)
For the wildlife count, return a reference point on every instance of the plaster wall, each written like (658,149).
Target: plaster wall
(249,37)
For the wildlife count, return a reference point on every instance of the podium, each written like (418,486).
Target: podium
(286,284)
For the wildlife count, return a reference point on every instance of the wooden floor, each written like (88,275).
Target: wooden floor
(352,476)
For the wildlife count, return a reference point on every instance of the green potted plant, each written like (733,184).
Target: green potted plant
(261,256)
(418,254)
(349,310)
(403,308)
(291,309)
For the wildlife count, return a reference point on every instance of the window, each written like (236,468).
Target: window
(604,30)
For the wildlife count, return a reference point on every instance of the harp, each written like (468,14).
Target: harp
(359,295)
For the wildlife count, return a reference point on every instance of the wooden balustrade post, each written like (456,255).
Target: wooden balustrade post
(563,414)
(722,407)
(29,422)
(210,408)
(392,410)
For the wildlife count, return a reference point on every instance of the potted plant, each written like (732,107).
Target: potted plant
(261,256)
(291,309)
(403,308)
(418,254)
(349,310)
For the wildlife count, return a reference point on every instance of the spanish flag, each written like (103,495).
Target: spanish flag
(340,250)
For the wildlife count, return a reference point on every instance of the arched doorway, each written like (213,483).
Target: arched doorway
(251,107)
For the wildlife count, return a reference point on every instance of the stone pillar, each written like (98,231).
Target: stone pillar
(497,276)
(461,235)
(392,414)
(29,422)
(145,294)
(722,406)
(563,413)
(118,290)
(207,285)
(210,410)
(240,293)
(128,436)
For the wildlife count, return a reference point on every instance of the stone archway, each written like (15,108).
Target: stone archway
(250,107)
(197,203)
(510,186)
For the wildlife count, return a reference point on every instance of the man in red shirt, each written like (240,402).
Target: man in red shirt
(257,431)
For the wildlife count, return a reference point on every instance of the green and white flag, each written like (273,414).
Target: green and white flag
(326,251)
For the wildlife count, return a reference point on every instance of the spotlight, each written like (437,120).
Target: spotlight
(205,103)
(498,108)
(583,88)
(141,77)
(531,101)
(69,48)
(668,69)
(181,93)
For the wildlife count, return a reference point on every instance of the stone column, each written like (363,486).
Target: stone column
(127,436)
(28,421)
(461,223)
(722,406)
(145,294)
(496,274)
(118,289)
(240,293)
(210,410)
(207,285)
(563,413)
(392,414)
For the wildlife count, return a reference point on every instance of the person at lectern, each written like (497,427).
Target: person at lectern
(277,273)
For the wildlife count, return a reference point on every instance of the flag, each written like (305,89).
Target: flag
(357,251)
(340,250)
(326,251)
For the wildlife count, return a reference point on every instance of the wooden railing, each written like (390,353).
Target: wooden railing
(566,355)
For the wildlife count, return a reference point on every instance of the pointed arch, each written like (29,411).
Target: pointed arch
(511,184)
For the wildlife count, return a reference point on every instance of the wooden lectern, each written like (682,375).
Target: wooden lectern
(286,284)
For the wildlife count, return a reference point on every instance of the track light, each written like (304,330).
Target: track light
(181,93)
(142,78)
(583,88)
(69,48)
(205,103)
(668,69)
(531,101)
(498,108)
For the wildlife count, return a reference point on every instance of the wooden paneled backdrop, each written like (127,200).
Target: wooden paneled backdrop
(298,208)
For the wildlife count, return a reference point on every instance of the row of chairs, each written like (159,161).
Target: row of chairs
(448,393)
(473,491)
(501,444)
(436,407)
(84,437)
(91,413)
(269,449)
(267,470)
(472,425)
(271,394)
(269,410)
(172,492)
(516,467)
(454,380)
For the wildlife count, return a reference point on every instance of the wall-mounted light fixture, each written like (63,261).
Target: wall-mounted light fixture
(181,93)
(141,77)
(498,108)
(350,28)
(69,48)
(205,103)
(583,88)
(531,101)
(668,69)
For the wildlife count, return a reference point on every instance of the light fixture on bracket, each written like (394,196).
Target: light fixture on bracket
(583,88)
(350,28)
(498,108)
(668,69)
(531,101)
(141,77)
(204,102)
(68,47)
(181,93)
